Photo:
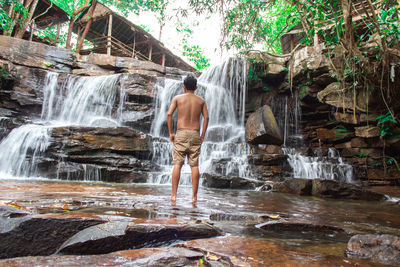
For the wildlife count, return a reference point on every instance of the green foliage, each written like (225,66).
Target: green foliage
(144,27)
(258,68)
(303,88)
(3,73)
(384,123)
(193,52)
(389,25)
(6,22)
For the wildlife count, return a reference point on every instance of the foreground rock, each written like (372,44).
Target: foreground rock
(139,257)
(220,181)
(302,228)
(240,251)
(326,189)
(114,236)
(262,128)
(38,234)
(383,249)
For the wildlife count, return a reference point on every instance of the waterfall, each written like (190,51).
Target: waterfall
(86,101)
(223,151)
(330,166)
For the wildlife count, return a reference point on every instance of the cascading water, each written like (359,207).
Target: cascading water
(87,101)
(223,151)
(330,166)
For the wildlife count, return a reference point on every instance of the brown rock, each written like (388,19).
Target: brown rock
(368,131)
(332,135)
(114,236)
(358,142)
(139,257)
(261,128)
(39,234)
(220,181)
(241,251)
(294,186)
(39,56)
(384,249)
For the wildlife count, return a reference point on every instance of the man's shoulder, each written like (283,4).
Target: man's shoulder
(200,98)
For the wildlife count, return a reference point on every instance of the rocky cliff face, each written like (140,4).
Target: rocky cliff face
(110,148)
(309,102)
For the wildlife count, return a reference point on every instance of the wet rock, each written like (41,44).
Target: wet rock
(80,140)
(267,159)
(332,135)
(114,236)
(301,227)
(39,56)
(294,186)
(40,234)
(368,131)
(261,128)
(326,189)
(233,217)
(335,189)
(7,211)
(140,257)
(383,249)
(220,181)
(241,251)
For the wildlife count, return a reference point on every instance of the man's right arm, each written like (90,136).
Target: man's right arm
(171,111)
(204,112)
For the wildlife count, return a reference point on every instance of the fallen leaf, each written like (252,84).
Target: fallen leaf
(213,257)
(273,216)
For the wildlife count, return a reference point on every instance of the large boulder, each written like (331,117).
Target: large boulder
(220,181)
(262,128)
(326,189)
(22,234)
(383,249)
(36,55)
(114,236)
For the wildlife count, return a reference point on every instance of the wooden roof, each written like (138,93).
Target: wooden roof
(48,13)
(126,36)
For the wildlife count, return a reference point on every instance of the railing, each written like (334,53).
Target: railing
(101,44)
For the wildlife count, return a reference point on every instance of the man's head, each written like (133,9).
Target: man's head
(190,83)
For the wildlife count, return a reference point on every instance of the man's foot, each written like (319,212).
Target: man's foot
(173,198)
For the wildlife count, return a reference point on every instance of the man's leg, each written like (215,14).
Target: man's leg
(195,181)
(176,176)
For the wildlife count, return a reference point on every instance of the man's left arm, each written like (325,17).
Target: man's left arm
(204,112)
(171,111)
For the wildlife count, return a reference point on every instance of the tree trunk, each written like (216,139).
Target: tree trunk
(87,27)
(20,32)
(74,14)
(348,24)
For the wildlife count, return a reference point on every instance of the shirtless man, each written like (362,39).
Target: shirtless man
(187,141)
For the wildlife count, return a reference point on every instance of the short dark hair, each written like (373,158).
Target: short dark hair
(190,82)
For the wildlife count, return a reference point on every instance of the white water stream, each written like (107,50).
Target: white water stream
(224,150)
(83,101)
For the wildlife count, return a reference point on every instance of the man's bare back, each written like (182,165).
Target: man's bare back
(190,107)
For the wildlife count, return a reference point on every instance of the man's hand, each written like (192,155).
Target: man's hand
(172,137)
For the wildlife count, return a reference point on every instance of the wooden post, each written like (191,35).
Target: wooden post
(109,35)
(58,33)
(33,28)
(133,48)
(150,50)
(163,60)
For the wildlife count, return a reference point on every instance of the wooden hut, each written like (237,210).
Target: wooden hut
(113,34)
(361,15)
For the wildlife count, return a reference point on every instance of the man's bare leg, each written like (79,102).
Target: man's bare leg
(195,181)
(176,176)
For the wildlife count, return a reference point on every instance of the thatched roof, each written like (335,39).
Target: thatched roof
(126,36)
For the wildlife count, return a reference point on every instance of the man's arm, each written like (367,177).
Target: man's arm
(204,112)
(171,111)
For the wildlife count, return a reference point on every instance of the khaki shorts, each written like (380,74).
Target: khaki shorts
(186,143)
